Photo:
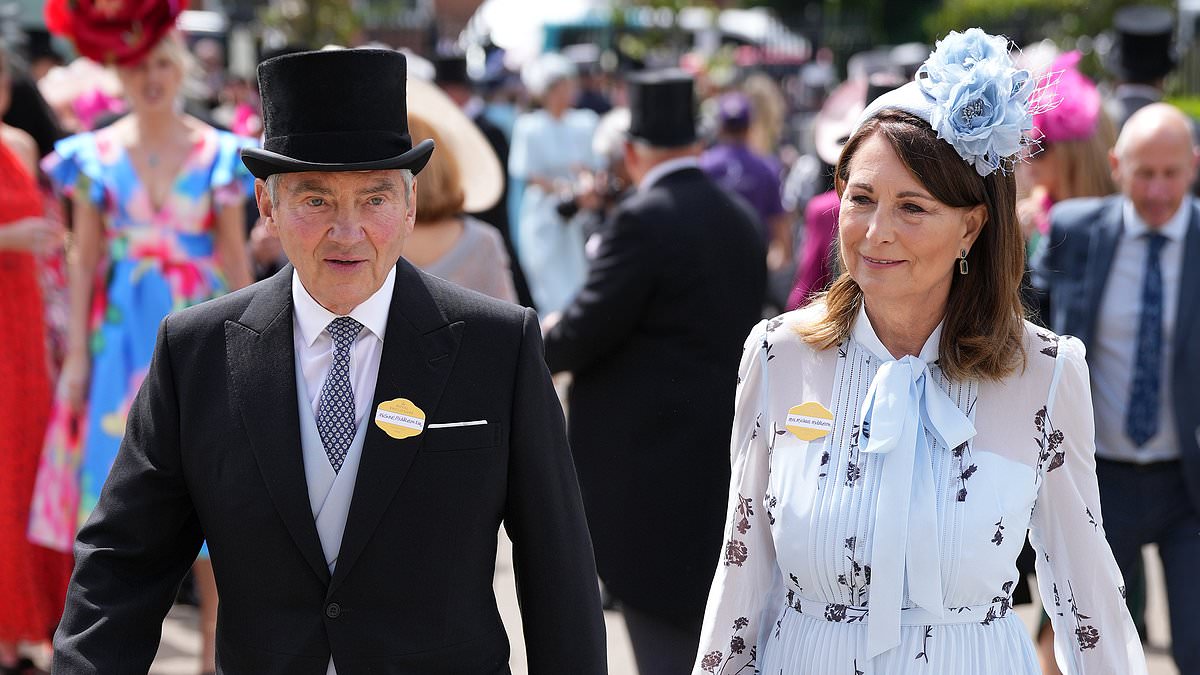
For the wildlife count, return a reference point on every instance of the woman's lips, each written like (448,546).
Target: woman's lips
(880,263)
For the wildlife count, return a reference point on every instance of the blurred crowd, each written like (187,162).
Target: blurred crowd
(125,199)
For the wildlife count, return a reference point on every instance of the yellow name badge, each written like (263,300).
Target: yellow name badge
(809,421)
(400,418)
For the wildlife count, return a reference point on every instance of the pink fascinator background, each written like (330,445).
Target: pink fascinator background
(1079,108)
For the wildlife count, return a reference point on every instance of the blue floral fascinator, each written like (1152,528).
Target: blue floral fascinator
(975,98)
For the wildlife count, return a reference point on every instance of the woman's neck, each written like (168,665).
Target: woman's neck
(903,329)
(158,128)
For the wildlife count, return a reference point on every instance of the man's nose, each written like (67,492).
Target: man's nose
(345,229)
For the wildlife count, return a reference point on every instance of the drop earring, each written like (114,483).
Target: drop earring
(962,262)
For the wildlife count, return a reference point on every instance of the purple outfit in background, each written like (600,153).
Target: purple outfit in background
(813,272)
(738,169)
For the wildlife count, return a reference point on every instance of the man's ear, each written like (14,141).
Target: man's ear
(265,208)
(410,217)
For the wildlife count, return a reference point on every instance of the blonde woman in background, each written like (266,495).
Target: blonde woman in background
(158,225)
(770,112)
(1073,161)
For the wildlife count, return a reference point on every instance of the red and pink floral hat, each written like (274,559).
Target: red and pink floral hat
(113,32)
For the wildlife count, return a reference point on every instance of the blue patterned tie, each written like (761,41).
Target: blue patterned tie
(335,412)
(1141,419)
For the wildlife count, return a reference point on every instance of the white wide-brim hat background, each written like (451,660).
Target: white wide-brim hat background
(479,169)
(836,120)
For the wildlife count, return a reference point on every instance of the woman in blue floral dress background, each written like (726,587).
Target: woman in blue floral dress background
(158,225)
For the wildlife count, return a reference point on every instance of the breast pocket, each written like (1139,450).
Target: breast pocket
(469,437)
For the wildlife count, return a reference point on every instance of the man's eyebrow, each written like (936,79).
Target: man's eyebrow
(383,185)
(308,185)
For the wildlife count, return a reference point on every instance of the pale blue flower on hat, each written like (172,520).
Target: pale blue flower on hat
(975,98)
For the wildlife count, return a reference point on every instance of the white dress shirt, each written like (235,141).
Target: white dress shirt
(330,493)
(314,346)
(1115,344)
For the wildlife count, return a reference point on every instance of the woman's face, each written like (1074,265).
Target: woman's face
(1044,170)
(561,94)
(153,83)
(899,243)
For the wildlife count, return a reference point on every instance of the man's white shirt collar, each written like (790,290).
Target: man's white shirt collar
(1174,229)
(312,318)
(670,166)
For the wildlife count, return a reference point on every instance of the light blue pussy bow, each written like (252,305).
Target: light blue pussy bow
(903,404)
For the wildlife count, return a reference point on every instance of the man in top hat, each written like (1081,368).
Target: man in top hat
(653,339)
(1141,56)
(347,435)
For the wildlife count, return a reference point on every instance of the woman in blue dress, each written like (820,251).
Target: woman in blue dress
(551,150)
(158,225)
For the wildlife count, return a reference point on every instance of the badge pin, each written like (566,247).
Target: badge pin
(400,418)
(809,421)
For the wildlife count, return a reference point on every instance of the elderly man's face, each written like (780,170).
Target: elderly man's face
(1154,164)
(343,230)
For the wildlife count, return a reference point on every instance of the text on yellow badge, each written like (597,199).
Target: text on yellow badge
(809,421)
(400,418)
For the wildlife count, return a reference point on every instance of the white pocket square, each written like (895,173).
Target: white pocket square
(447,425)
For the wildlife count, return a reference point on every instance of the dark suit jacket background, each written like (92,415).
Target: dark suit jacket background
(654,340)
(497,216)
(1074,268)
(212,450)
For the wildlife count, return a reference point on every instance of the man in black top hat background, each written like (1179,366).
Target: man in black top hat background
(347,435)
(452,76)
(653,340)
(1142,55)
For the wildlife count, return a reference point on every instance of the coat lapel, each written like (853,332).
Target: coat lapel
(1099,264)
(260,356)
(419,350)
(1189,284)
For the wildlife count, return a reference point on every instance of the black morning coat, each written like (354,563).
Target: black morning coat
(212,451)
(654,340)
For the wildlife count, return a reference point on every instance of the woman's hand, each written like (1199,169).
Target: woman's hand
(73,381)
(33,234)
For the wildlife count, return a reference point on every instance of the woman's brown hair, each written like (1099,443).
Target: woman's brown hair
(1083,163)
(983,330)
(441,194)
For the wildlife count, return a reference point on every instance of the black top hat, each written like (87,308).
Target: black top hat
(337,110)
(451,69)
(1142,50)
(662,108)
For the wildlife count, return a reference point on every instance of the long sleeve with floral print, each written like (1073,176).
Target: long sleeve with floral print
(793,589)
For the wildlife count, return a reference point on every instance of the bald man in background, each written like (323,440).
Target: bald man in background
(1122,274)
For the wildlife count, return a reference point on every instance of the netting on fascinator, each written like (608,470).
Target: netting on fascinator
(976,99)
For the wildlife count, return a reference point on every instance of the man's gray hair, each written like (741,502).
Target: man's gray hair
(272,182)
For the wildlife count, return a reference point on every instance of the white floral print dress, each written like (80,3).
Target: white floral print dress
(894,552)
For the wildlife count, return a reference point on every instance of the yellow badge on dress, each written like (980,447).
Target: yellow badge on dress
(809,421)
(400,418)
